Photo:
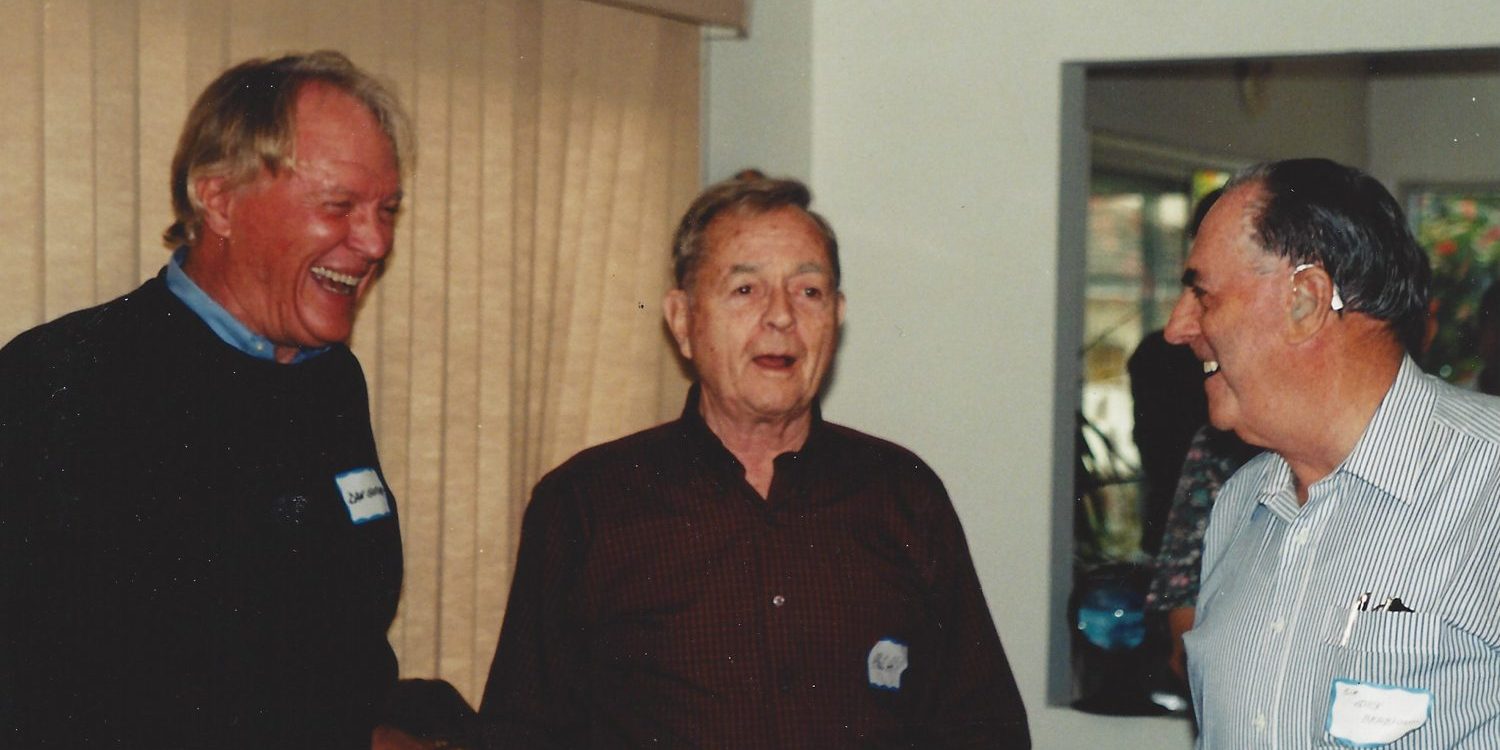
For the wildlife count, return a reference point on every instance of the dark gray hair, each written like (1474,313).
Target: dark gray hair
(1318,211)
(748,193)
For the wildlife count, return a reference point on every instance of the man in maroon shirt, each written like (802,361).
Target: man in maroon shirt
(749,576)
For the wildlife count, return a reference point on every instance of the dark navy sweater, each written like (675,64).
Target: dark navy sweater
(179,566)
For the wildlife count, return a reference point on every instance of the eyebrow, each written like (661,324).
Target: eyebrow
(341,191)
(808,267)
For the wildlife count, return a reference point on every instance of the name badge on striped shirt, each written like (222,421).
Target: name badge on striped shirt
(886,662)
(1365,715)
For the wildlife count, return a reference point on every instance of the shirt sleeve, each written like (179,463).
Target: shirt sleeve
(974,701)
(1174,582)
(534,697)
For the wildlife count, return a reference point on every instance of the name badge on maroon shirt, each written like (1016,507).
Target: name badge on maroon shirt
(886,663)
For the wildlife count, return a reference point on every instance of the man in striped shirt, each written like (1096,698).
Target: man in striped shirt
(1350,595)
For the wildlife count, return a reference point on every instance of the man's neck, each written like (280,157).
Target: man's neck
(756,443)
(196,288)
(1339,402)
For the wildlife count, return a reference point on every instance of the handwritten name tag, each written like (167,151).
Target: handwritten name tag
(886,662)
(364,495)
(1363,714)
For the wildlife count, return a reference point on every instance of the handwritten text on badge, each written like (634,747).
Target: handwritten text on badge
(886,662)
(1365,714)
(364,495)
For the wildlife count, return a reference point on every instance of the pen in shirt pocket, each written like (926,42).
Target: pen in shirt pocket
(1360,604)
(1393,604)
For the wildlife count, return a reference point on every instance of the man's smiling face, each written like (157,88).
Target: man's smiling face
(1230,313)
(302,246)
(760,317)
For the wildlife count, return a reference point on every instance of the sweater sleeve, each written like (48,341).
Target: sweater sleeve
(11,535)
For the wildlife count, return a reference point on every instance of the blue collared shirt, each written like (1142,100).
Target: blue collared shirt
(1290,613)
(226,326)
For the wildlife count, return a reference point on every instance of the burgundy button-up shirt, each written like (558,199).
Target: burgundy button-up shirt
(659,601)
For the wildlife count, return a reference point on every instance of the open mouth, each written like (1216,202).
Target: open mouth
(1210,367)
(775,361)
(338,283)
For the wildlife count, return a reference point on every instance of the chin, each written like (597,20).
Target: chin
(1219,420)
(328,327)
(782,408)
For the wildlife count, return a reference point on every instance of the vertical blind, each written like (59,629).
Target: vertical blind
(518,319)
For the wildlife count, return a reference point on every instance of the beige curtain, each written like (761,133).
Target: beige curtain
(519,318)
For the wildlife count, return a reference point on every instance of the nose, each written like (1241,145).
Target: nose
(779,313)
(370,233)
(1182,326)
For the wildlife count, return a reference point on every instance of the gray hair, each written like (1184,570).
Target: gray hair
(748,193)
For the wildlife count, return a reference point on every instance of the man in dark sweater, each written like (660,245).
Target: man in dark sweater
(749,576)
(197,546)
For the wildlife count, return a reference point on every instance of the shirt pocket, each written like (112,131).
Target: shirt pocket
(1397,648)
(1391,632)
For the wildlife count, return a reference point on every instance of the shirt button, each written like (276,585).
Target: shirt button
(1260,722)
(1278,625)
(778,600)
(1300,538)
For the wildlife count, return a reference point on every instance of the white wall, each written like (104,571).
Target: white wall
(1435,128)
(758,94)
(935,134)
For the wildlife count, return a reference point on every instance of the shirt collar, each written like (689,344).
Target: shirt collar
(709,445)
(692,416)
(227,327)
(1393,453)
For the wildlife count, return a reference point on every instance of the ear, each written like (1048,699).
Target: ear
(1311,303)
(840,310)
(214,195)
(674,308)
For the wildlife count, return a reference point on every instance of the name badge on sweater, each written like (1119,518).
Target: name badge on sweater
(1365,715)
(364,495)
(886,662)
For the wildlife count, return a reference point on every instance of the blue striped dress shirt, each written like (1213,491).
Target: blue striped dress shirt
(1295,617)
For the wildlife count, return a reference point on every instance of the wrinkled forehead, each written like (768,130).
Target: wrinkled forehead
(784,230)
(1228,237)
(337,120)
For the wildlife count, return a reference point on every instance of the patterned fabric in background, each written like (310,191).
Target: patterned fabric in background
(1460,228)
(1212,458)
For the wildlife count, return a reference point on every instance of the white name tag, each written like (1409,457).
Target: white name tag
(886,663)
(364,495)
(1363,714)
